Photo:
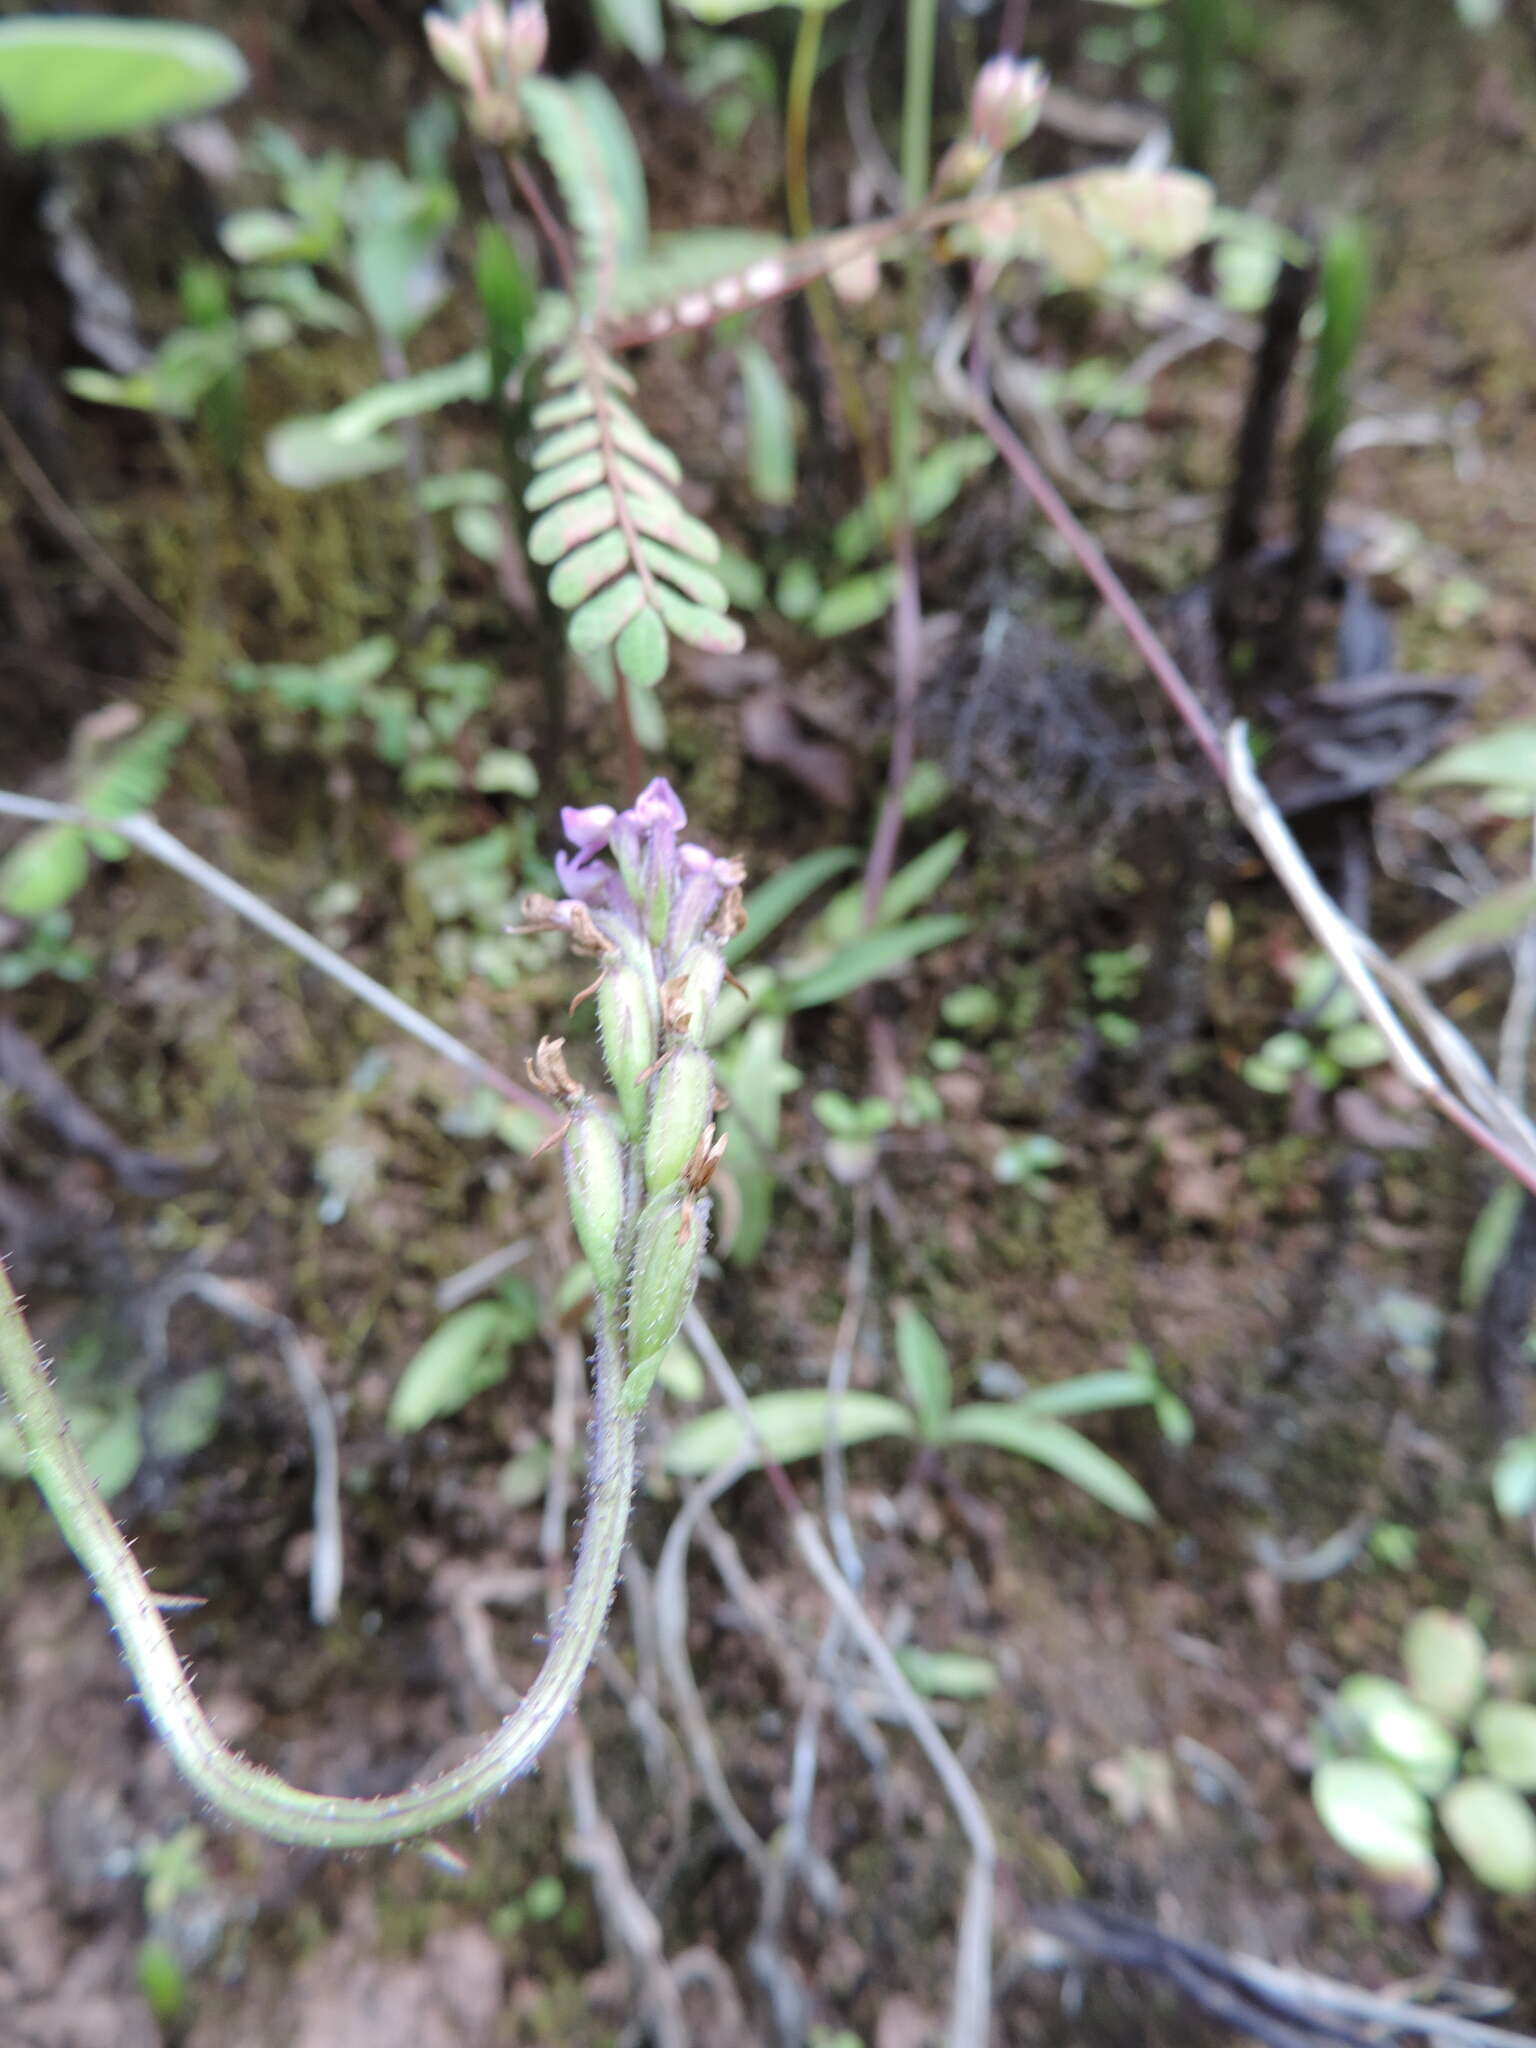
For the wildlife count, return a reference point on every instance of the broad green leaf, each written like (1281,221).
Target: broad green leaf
(1379,1818)
(770,425)
(782,895)
(1494,1833)
(867,960)
(88,76)
(1397,1730)
(793,1424)
(948,1674)
(1505,1733)
(306,453)
(1505,759)
(1012,1426)
(462,1357)
(924,1369)
(1444,1659)
(43,871)
(503,771)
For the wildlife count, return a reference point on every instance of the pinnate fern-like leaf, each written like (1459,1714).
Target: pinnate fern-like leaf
(585,139)
(633,569)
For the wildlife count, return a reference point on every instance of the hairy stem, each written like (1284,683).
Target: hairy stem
(238,1789)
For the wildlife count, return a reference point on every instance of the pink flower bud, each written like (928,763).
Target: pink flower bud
(1006,101)
(451,48)
(527,38)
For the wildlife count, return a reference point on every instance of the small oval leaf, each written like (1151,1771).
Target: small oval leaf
(462,1357)
(1494,1833)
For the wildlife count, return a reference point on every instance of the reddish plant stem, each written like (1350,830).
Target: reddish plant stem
(1176,687)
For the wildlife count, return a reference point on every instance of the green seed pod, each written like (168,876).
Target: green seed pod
(669,1240)
(626,1021)
(694,990)
(680,1104)
(594,1188)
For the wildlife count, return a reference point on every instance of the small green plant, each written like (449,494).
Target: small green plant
(797,1424)
(1336,1041)
(1441,1744)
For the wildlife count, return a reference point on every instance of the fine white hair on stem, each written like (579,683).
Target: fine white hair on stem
(235,1787)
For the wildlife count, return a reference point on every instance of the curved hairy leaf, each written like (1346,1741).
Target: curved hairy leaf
(624,558)
(793,1424)
(80,79)
(586,141)
(1011,1426)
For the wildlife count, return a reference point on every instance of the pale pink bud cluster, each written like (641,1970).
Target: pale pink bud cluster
(488,51)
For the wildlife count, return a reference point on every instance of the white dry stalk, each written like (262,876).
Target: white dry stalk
(296,1352)
(971,2004)
(1481,1109)
(150,837)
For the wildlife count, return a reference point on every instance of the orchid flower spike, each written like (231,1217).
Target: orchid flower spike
(658,912)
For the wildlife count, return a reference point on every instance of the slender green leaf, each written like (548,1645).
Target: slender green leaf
(770,425)
(924,1369)
(1091,1393)
(948,1674)
(868,960)
(782,895)
(1011,1426)
(793,1424)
